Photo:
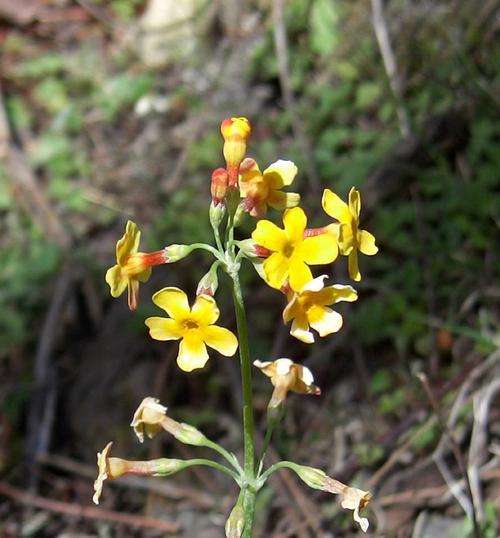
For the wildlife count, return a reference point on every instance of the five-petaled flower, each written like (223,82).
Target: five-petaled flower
(351,238)
(287,376)
(131,266)
(291,253)
(308,308)
(193,326)
(262,189)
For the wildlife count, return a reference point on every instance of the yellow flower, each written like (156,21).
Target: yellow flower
(291,253)
(308,308)
(287,376)
(262,189)
(355,499)
(193,326)
(148,418)
(131,266)
(107,468)
(351,238)
(352,498)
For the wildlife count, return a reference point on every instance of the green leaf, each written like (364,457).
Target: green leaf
(324,27)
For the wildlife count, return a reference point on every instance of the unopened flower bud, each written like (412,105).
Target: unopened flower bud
(209,283)
(174,253)
(235,132)
(249,248)
(216,214)
(218,186)
(235,523)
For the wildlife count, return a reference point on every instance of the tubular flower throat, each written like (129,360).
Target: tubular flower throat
(193,326)
(308,309)
(291,253)
(235,132)
(262,189)
(287,376)
(351,238)
(131,266)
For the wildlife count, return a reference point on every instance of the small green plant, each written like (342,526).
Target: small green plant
(282,257)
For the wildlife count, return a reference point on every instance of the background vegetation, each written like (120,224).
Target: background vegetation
(110,110)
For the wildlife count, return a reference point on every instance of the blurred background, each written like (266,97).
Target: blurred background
(109,111)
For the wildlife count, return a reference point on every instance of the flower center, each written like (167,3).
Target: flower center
(288,249)
(190,324)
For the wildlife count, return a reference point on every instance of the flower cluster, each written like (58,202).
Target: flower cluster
(285,258)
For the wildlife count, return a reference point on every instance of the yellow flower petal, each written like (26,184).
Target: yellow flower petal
(354,203)
(353,265)
(220,339)
(320,249)
(129,243)
(367,243)
(281,173)
(324,320)
(335,207)
(205,310)
(276,270)
(300,330)
(163,328)
(144,276)
(192,354)
(116,280)
(335,294)
(295,222)
(299,274)
(268,235)
(346,239)
(174,301)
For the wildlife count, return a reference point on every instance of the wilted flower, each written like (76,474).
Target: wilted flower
(193,326)
(131,266)
(262,189)
(352,498)
(235,132)
(351,238)
(291,253)
(307,308)
(150,417)
(287,376)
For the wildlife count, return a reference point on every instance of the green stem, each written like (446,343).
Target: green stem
(204,246)
(230,458)
(213,464)
(280,465)
(248,425)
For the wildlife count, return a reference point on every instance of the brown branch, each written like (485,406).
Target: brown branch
(87,512)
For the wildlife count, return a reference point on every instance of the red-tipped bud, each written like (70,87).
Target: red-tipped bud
(235,132)
(218,187)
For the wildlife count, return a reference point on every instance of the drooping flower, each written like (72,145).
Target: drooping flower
(193,326)
(308,309)
(291,253)
(111,468)
(262,189)
(287,376)
(131,266)
(351,238)
(235,132)
(352,498)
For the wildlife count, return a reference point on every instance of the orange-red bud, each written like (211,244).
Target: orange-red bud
(235,132)
(218,187)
